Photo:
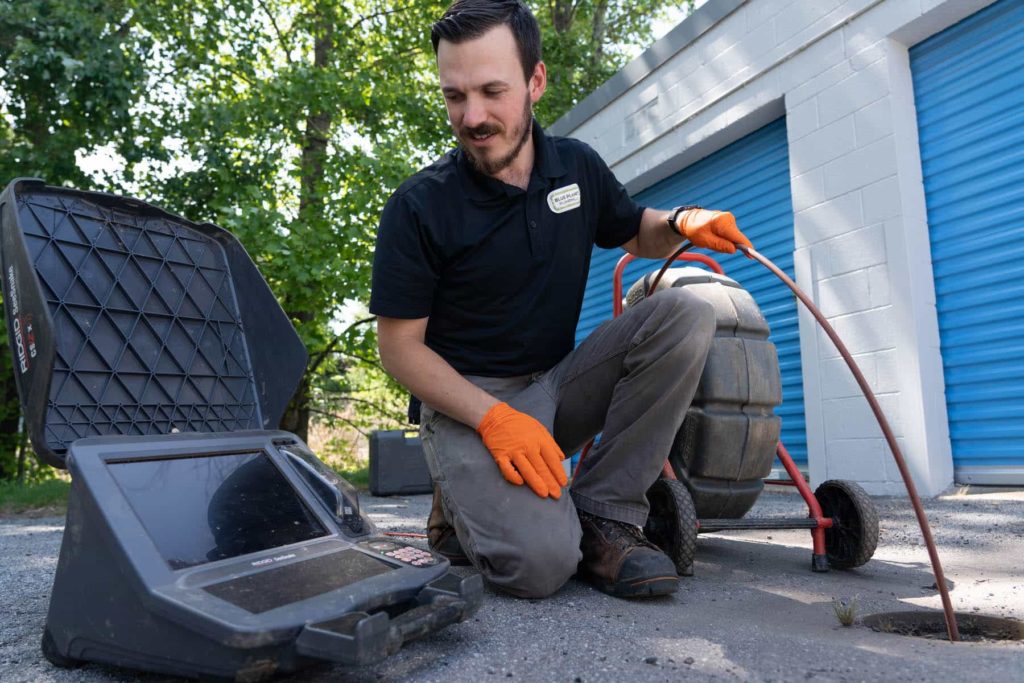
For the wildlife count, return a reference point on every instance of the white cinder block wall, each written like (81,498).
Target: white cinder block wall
(839,71)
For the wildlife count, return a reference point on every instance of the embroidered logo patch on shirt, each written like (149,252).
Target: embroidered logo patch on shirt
(564,198)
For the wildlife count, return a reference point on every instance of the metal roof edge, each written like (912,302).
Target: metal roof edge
(686,32)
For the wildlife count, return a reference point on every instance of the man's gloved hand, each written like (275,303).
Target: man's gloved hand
(711,230)
(524,450)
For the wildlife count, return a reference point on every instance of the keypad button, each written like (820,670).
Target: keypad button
(407,554)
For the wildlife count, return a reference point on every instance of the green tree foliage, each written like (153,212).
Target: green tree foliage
(288,122)
(70,73)
(298,119)
(587,41)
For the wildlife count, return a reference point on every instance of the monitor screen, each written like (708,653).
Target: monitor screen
(208,508)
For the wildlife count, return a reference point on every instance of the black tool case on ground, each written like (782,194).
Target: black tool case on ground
(397,464)
(153,361)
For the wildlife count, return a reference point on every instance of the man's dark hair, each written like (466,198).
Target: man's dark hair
(469,19)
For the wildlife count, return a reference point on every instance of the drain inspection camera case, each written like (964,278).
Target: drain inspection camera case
(153,361)
(127,320)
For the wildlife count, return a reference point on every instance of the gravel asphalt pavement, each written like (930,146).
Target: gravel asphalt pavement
(753,611)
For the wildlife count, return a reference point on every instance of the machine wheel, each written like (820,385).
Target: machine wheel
(672,523)
(54,657)
(853,537)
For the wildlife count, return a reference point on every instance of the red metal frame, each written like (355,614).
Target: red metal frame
(813,507)
(628,258)
(796,477)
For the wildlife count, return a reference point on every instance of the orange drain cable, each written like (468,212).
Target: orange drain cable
(926,532)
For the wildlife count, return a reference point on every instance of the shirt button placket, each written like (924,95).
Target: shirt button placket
(534,204)
(535,241)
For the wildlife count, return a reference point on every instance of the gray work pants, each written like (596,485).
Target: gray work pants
(632,379)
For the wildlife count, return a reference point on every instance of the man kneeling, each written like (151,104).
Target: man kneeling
(478,280)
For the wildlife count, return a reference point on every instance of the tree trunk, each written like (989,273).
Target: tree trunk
(597,34)
(311,208)
(10,410)
(562,14)
(296,415)
(22,450)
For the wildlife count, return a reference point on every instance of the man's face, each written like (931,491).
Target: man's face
(489,101)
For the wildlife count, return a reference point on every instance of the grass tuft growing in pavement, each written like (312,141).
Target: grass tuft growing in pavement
(49,496)
(845,610)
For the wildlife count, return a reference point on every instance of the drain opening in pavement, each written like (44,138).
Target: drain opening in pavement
(973,627)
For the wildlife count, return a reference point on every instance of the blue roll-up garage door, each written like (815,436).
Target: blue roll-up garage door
(969,90)
(750,178)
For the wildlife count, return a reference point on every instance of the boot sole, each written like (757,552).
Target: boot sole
(450,549)
(651,587)
(455,560)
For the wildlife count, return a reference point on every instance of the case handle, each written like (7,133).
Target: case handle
(360,638)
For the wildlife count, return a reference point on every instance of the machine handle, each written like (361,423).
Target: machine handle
(419,621)
(359,638)
(620,267)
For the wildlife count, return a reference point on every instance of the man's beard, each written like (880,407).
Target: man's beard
(494,167)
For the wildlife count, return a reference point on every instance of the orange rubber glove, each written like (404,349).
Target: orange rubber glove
(524,450)
(714,230)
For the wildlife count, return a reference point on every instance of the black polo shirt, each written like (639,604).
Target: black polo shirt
(499,271)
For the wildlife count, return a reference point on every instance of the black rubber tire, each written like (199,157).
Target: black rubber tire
(672,523)
(49,648)
(853,537)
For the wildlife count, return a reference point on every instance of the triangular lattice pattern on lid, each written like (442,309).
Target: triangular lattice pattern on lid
(148,336)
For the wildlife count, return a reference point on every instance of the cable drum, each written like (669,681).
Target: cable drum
(727,442)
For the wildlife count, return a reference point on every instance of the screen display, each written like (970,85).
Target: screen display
(209,508)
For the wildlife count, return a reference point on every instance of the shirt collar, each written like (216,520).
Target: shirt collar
(547,163)
(547,160)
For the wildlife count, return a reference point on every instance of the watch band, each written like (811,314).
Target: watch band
(673,217)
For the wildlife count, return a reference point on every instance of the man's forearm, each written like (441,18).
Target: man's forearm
(431,379)
(654,239)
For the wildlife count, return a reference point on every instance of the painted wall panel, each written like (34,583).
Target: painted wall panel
(969,90)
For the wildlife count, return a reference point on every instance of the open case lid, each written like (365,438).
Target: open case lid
(126,319)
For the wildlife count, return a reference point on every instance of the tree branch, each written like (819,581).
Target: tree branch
(320,357)
(377,15)
(360,358)
(280,36)
(383,410)
(403,53)
(238,74)
(342,418)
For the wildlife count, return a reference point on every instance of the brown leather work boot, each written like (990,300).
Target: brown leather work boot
(441,535)
(618,560)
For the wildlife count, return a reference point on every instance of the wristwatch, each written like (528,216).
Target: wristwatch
(674,216)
